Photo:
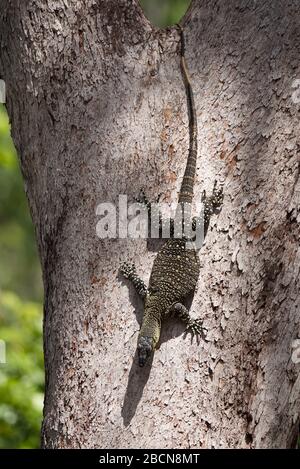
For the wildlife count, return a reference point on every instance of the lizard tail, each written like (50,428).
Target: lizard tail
(187,187)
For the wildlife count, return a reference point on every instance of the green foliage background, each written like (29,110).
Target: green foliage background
(164,12)
(22,376)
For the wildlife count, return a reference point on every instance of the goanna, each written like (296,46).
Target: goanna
(176,268)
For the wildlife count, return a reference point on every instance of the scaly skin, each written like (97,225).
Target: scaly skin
(176,267)
(174,275)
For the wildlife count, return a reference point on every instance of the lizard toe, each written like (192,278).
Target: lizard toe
(195,327)
(127,269)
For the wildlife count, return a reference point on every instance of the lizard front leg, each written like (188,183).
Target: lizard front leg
(129,271)
(192,325)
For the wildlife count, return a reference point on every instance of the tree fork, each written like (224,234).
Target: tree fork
(97,103)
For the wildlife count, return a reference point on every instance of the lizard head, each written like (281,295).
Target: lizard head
(145,348)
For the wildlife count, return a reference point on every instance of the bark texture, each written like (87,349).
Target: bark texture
(98,108)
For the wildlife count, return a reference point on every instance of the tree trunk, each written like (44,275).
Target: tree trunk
(98,108)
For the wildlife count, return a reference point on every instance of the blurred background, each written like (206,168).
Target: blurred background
(163,13)
(21,294)
(21,290)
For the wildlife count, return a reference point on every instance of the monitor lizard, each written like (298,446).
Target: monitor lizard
(176,268)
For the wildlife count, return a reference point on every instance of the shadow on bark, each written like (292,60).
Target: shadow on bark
(138,376)
(137,380)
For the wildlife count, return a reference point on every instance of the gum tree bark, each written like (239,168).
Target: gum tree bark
(98,108)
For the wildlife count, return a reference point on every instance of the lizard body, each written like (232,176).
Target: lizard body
(176,268)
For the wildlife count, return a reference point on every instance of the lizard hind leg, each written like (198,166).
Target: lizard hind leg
(194,326)
(217,198)
(143,199)
(154,214)
(128,271)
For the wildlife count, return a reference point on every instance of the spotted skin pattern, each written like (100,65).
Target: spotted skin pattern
(176,267)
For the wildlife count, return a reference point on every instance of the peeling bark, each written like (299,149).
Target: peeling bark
(98,109)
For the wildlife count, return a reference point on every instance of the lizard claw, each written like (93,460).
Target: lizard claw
(195,327)
(127,269)
(141,198)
